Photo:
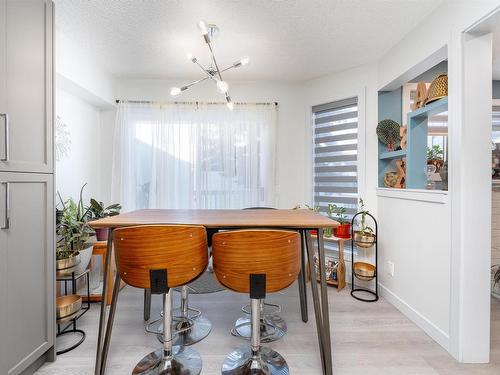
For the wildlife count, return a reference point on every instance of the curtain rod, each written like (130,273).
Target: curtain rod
(195,102)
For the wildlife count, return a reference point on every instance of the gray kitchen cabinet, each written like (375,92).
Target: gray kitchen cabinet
(26,268)
(27,276)
(26,75)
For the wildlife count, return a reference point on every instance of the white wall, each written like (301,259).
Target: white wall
(78,72)
(291,155)
(426,241)
(362,83)
(417,236)
(83,164)
(84,92)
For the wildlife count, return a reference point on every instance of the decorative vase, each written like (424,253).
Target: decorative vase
(343,231)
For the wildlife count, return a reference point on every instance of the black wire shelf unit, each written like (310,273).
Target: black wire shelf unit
(67,324)
(364,293)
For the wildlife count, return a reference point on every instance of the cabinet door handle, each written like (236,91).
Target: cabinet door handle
(6,222)
(6,139)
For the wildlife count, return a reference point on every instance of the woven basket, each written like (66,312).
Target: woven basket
(438,88)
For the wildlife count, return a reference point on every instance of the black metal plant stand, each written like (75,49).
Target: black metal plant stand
(69,322)
(355,289)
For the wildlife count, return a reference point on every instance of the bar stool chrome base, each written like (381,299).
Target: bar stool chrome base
(185,361)
(190,330)
(272,328)
(242,362)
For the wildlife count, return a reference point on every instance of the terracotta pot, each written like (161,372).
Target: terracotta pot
(343,231)
(101,234)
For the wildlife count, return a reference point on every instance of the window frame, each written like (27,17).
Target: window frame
(360,95)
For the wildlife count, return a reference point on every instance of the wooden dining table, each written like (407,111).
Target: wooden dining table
(301,220)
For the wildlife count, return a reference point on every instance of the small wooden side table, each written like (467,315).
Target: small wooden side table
(340,282)
(100,248)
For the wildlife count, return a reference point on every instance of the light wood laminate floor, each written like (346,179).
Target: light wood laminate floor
(368,338)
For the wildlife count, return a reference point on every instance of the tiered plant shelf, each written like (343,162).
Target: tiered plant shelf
(340,282)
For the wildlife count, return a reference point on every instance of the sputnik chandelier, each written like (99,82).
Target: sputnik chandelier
(213,72)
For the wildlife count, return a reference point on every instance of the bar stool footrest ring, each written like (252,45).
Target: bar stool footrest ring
(198,329)
(275,328)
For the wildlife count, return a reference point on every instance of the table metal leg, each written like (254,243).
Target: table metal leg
(315,297)
(324,305)
(102,316)
(111,318)
(302,280)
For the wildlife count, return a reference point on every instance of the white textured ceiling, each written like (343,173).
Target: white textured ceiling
(285,39)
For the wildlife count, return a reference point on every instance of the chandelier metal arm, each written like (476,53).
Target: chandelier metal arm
(207,72)
(195,82)
(221,71)
(214,60)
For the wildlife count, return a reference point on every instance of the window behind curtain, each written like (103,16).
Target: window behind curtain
(194,156)
(335,144)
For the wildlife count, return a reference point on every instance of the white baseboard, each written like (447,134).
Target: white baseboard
(436,333)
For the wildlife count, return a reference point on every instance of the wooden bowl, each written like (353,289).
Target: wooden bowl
(364,271)
(68,305)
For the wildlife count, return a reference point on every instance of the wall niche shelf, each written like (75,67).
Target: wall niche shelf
(416,138)
(392,155)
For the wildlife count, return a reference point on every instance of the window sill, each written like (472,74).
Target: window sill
(422,195)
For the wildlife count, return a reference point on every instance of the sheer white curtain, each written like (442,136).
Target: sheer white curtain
(194,156)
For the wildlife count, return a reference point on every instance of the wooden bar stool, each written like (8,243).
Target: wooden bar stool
(273,326)
(256,262)
(161,257)
(192,326)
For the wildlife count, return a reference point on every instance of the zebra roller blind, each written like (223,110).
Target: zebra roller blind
(335,137)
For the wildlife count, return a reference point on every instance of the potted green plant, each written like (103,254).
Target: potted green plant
(344,228)
(98,211)
(73,233)
(363,236)
(435,156)
(311,208)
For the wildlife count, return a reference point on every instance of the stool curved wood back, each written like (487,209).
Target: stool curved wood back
(181,250)
(239,253)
